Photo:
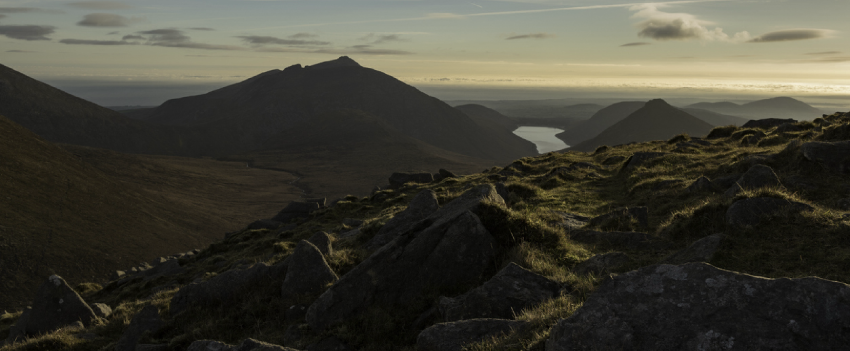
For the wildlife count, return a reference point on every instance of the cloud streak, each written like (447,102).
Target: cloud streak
(27,32)
(265,40)
(96,42)
(531,36)
(792,34)
(640,43)
(376,39)
(26,10)
(100,5)
(174,38)
(354,50)
(106,20)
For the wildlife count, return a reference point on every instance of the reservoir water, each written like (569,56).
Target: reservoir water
(543,137)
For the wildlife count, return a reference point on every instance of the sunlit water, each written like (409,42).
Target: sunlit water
(543,137)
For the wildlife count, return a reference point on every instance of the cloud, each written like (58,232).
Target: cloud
(19,51)
(264,40)
(133,37)
(2,16)
(100,5)
(661,25)
(823,53)
(792,34)
(639,43)
(444,15)
(354,50)
(106,20)
(202,28)
(303,35)
(25,10)
(27,32)
(375,39)
(531,36)
(96,42)
(113,33)
(174,38)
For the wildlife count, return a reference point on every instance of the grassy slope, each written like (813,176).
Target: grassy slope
(807,244)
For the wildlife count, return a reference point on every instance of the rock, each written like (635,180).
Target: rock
(323,242)
(509,292)
(101,310)
(700,142)
(352,222)
(169,268)
(331,343)
(146,320)
(833,156)
(767,123)
(55,305)
(18,331)
(423,205)
(749,212)
(349,234)
(640,158)
(152,347)
(571,221)
(227,287)
(502,190)
(701,250)
(699,307)
(638,213)
(245,345)
(844,204)
(316,200)
(601,264)
(308,271)
(447,174)
(296,313)
(296,210)
(399,179)
(435,255)
(117,275)
(758,176)
(613,160)
(701,184)
(264,224)
(789,128)
(726,181)
(630,240)
(753,139)
(454,335)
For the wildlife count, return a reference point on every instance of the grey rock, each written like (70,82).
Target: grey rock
(613,160)
(571,221)
(209,345)
(331,343)
(323,242)
(18,331)
(399,179)
(505,295)
(152,347)
(502,190)
(701,184)
(101,310)
(423,205)
(604,263)
(750,212)
(308,271)
(699,307)
(352,222)
(767,123)
(640,158)
(834,156)
(701,250)
(789,128)
(349,234)
(639,213)
(264,224)
(630,240)
(227,287)
(758,176)
(724,182)
(454,336)
(447,174)
(55,305)
(245,345)
(169,268)
(296,313)
(117,275)
(145,321)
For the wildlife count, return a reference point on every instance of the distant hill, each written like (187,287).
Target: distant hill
(714,118)
(570,109)
(778,107)
(600,120)
(485,115)
(656,120)
(240,117)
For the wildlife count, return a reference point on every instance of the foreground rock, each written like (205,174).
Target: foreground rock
(700,307)
(758,176)
(767,123)
(509,292)
(245,345)
(454,336)
(146,320)
(604,263)
(748,213)
(833,156)
(423,205)
(308,272)
(702,250)
(629,240)
(228,286)
(639,214)
(640,158)
(55,305)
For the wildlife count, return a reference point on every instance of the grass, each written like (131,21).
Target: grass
(810,243)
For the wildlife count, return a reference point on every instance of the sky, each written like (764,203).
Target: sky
(144,52)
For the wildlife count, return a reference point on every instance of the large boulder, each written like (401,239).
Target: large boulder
(750,212)
(628,240)
(702,250)
(603,263)
(767,123)
(228,286)
(509,292)
(640,214)
(571,221)
(423,205)
(55,305)
(146,320)
(758,176)
(323,242)
(640,158)
(454,336)
(833,156)
(245,345)
(700,307)
(398,179)
(701,184)
(308,272)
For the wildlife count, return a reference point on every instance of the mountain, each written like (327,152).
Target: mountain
(60,117)
(600,120)
(240,117)
(778,107)
(484,115)
(656,120)
(714,118)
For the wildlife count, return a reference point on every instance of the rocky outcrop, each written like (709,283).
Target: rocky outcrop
(146,320)
(767,123)
(701,250)
(454,336)
(423,205)
(571,221)
(323,242)
(701,184)
(640,158)
(604,263)
(227,286)
(505,295)
(699,307)
(55,305)
(833,156)
(245,345)
(398,179)
(758,176)
(101,310)
(750,212)
(296,210)
(308,272)
(264,224)
(640,214)
(630,240)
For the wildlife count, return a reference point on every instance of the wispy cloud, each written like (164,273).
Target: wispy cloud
(354,50)
(376,39)
(792,34)
(202,28)
(107,20)
(100,5)
(303,35)
(2,16)
(639,43)
(660,25)
(174,38)
(531,36)
(133,37)
(823,53)
(96,42)
(20,51)
(27,32)
(264,40)
(26,10)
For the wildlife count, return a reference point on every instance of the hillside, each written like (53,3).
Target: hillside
(88,212)
(240,117)
(606,241)
(778,107)
(600,121)
(714,118)
(485,115)
(656,120)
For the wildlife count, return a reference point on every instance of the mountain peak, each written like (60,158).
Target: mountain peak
(342,61)
(657,103)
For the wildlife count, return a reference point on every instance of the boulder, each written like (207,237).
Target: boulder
(790,128)
(571,221)
(767,123)
(18,331)
(101,310)
(758,176)
(454,336)
(146,320)
(435,255)
(117,275)
(55,305)
(399,179)
(701,250)
(502,190)
(701,184)
(169,268)
(245,345)
(726,181)
(308,271)
(750,212)
(295,210)
(264,224)
(699,307)
(352,222)
(423,205)
(505,295)
(640,158)
(330,343)
(152,347)
(447,174)
(323,242)
(604,263)
(613,160)
(753,139)
(630,240)
(638,213)
(228,286)
(833,156)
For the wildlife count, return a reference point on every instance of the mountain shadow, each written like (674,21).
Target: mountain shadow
(600,120)
(778,107)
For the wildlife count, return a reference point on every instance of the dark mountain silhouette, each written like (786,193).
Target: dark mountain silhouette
(600,120)
(486,116)
(240,117)
(60,117)
(654,121)
(714,118)
(778,107)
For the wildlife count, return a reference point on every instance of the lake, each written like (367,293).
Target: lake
(543,137)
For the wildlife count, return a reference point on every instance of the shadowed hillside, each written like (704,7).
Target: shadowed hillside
(600,121)
(778,107)
(714,118)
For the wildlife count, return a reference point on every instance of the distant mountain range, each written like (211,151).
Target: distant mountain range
(778,107)
(600,120)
